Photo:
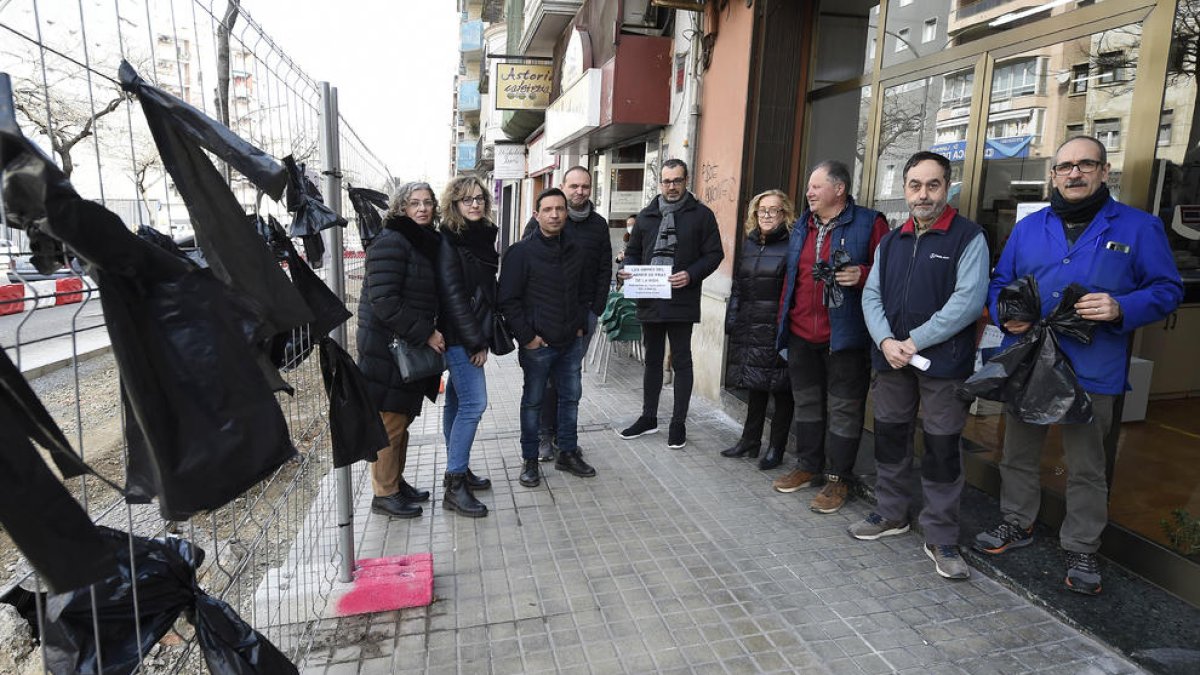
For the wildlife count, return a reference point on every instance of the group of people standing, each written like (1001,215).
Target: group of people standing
(833,305)
(825,308)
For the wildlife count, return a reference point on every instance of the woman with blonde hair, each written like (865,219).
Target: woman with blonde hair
(399,302)
(467,267)
(753,314)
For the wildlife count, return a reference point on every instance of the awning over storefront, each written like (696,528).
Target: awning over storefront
(995,148)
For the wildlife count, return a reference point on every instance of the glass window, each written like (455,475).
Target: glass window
(843,120)
(910,122)
(1164,127)
(930,32)
(956,90)
(902,42)
(1080,75)
(1111,67)
(913,29)
(1073,130)
(845,46)
(1109,133)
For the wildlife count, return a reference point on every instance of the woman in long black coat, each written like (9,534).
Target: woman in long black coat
(753,362)
(399,300)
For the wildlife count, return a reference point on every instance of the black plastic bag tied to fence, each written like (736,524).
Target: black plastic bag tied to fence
(1032,376)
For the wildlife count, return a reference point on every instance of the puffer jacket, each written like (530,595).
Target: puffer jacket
(541,293)
(591,235)
(753,362)
(467,286)
(399,298)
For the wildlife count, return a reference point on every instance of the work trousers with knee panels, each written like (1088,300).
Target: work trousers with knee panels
(1087,489)
(896,395)
(388,470)
(836,383)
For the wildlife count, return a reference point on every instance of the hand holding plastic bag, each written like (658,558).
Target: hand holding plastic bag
(1032,375)
(826,271)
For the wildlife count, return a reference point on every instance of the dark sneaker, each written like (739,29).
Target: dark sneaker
(394,506)
(573,463)
(874,526)
(546,450)
(532,475)
(677,435)
(1002,538)
(1083,573)
(832,497)
(644,426)
(948,561)
(797,479)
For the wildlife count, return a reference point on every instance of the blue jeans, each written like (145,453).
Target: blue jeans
(466,399)
(550,403)
(563,366)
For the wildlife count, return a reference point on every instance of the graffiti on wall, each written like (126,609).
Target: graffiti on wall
(714,188)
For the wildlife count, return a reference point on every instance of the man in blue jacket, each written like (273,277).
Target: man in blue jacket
(925,292)
(1122,257)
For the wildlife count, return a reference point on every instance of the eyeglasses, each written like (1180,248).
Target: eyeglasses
(477,199)
(769,212)
(418,203)
(1084,166)
(670,182)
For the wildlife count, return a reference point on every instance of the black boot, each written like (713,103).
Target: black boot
(457,497)
(532,475)
(412,494)
(744,448)
(394,506)
(573,463)
(477,482)
(772,459)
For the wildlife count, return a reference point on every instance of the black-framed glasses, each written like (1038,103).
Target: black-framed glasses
(669,182)
(477,199)
(418,203)
(769,212)
(1084,166)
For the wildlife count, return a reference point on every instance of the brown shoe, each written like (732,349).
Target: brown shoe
(831,497)
(796,480)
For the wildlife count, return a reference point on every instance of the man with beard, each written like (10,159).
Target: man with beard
(589,231)
(925,292)
(1122,257)
(675,230)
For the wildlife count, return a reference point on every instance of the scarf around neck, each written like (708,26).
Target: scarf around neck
(479,239)
(664,243)
(1079,212)
(582,214)
(423,239)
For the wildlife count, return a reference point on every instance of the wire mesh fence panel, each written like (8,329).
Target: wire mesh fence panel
(272,552)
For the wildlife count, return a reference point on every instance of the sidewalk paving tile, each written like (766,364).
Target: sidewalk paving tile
(670,561)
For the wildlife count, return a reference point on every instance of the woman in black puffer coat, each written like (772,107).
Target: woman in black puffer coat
(399,300)
(753,362)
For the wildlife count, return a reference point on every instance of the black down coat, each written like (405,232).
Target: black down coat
(753,361)
(399,298)
(697,251)
(466,273)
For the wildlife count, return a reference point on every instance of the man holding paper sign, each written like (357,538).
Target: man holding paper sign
(674,232)
(925,291)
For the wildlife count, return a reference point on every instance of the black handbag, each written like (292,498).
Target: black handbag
(416,363)
(502,341)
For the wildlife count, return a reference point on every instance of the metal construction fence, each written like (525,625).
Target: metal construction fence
(62,57)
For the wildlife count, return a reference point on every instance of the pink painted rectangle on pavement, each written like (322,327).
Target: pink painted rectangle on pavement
(391,583)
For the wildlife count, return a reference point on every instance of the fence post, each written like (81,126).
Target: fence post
(332,184)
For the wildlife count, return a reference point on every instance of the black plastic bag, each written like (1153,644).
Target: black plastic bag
(1032,376)
(304,201)
(289,350)
(29,179)
(314,250)
(266,229)
(164,571)
(49,527)
(367,205)
(236,255)
(825,271)
(355,427)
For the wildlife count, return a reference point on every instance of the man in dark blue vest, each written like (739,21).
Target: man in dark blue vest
(824,340)
(925,292)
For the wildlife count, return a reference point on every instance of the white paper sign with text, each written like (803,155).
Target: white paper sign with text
(648,281)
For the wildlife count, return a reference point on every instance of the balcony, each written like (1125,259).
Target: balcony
(545,20)
(468,96)
(465,154)
(471,37)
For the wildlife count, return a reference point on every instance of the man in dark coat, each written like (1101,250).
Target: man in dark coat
(546,303)
(589,231)
(925,292)
(676,230)
(825,340)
